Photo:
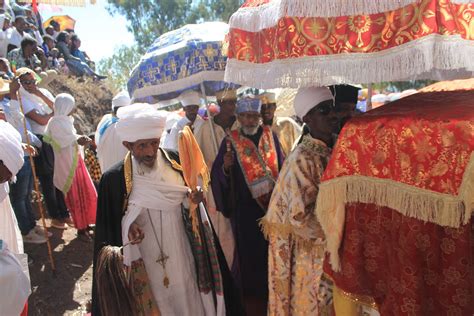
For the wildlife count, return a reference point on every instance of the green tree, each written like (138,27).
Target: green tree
(119,66)
(149,19)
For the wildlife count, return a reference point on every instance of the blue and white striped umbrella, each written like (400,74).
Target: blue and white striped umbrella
(182,59)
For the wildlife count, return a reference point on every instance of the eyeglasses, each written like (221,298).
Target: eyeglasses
(28,81)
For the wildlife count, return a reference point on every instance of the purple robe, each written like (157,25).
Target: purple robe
(250,265)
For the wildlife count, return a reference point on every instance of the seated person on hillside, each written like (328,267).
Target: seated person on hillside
(5,31)
(56,29)
(75,65)
(82,55)
(25,56)
(49,30)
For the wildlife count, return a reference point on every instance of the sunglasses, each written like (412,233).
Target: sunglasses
(28,81)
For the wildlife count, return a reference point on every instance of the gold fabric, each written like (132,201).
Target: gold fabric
(287,131)
(296,240)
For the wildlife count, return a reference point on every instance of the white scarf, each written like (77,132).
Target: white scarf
(148,193)
(61,134)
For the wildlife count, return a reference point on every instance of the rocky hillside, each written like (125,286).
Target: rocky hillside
(93,100)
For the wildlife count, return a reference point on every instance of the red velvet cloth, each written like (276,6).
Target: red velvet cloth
(409,267)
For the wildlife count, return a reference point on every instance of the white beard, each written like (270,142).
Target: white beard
(144,169)
(250,131)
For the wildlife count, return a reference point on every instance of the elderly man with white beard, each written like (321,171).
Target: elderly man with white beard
(143,206)
(243,176)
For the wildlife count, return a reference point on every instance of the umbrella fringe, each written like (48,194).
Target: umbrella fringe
(430,57)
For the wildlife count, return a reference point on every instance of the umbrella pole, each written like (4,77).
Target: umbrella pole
(368,103)
(37,191)
(214,140)
(213,133)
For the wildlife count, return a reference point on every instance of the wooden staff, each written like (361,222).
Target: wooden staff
(36,185)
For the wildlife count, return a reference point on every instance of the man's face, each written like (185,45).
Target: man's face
(191,112)
(5,174)
(268,111)
(227,107)
(249,122)
(50,44)
(28,82)
(6,24)
(20,25)
(144,150)
(323,119)
(31,49)
(50,31)
(3,66)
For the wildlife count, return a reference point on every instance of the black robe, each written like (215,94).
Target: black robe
(112,195)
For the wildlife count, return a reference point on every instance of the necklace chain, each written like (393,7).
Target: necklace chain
(162,258)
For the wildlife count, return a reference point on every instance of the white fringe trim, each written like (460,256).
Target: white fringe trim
(178,84)
(254,19)
(261,187)
(72,3)
(332,8)
(425,205)
(434,57)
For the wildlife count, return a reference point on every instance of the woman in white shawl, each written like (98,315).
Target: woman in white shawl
(70,173)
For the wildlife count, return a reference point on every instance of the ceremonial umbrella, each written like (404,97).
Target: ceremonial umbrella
(190,57)
(65,22)
(282,43)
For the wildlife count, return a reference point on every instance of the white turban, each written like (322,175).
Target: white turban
(120,100)
(189,97)
(308,98)
(140,121)
(11,153)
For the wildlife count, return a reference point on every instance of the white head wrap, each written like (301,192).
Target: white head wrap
(308,98)
(60,127)
(189,97)
(11,153)
(120,100)
(140,121)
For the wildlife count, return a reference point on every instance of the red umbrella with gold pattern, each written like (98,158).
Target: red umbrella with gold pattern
(427,39)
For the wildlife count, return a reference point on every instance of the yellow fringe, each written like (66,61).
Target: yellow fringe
(438,208)
(285,231)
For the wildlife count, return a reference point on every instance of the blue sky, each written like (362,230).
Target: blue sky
(100,32)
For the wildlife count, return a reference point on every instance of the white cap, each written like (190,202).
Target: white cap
(120,100)
(308,98)
(190,97)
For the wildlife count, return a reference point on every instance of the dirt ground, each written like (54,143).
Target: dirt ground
(68,291)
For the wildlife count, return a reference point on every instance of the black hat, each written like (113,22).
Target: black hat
(345,93)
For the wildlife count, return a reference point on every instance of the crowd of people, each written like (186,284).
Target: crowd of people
(48,51)
(127,180)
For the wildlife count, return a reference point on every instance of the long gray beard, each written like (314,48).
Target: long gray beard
(250,131)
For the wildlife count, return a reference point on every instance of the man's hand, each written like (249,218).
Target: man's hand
(14,86)
(29,150)
(197,196)
(84,140)
(228,160)
(135,234)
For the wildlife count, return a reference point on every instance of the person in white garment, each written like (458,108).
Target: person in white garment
(11,161)
(191,100)
(109,146)
(152,224)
